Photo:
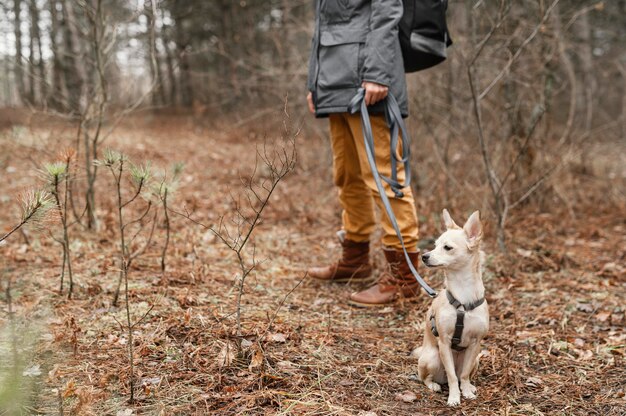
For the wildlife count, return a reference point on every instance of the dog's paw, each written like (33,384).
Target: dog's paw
(468,390)
(434,386)
(454,399)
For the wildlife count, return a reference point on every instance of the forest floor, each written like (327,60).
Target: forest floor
(556,343)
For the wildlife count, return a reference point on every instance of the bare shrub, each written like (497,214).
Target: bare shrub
(236,230)
(120,168)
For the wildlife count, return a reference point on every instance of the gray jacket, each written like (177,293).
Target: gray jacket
(355,41)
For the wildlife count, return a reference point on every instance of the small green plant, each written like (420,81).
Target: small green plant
(57,177)
(35,209)
(164,190)
(119,166)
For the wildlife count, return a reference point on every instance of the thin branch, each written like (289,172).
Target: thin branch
(280,305)
(139,189)
(142,250)
(518,52)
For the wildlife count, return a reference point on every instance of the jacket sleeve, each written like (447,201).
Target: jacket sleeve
(381,43)
(312,65)
(313,60)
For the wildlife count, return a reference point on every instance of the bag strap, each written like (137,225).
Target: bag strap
(396,125)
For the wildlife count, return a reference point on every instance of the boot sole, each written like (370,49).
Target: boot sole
(381,305)
(347,280)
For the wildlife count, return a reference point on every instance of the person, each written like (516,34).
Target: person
(356,45)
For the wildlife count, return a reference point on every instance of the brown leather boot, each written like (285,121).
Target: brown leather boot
(354,265)
(395,283)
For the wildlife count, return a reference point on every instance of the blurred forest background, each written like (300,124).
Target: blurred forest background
(182,288)
(219,54)
(551,76)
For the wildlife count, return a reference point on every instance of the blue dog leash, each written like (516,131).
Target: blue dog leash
(396,125)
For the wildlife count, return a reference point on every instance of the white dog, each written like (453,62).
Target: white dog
(459,317)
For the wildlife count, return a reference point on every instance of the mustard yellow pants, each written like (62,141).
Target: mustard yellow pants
(357,189)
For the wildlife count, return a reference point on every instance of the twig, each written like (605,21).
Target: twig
(280,305)
(518,52)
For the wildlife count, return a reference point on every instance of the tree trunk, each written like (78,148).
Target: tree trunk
(74,71)
(19,73)
(182,42)
(58,97)
(169,61)
(7,80)
(586,59)
(158,96)
(31,59)
(37,61)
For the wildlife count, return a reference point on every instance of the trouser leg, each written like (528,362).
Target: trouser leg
(355,197)
(403,208)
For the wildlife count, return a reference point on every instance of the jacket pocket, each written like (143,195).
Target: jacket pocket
(336,11)
(339,66)
(340,58)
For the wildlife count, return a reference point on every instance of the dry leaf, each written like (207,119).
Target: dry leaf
(534,381)
(526,336)
(286,366)
(257,359)
(603,316)
(53,374)
(209,237)
(610,268)
(322,301)
(406,397)
(70,389)
(151,380)
(279,338)
(584,307)
(226,356)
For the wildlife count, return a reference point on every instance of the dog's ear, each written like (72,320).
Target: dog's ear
(473,229)
(448,221)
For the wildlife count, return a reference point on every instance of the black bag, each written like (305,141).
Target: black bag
(424,34)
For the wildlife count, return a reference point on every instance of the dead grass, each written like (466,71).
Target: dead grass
(556,344)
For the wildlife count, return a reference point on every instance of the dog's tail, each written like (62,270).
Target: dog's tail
(416,353)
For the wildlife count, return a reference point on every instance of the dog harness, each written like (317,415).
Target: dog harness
(460,317)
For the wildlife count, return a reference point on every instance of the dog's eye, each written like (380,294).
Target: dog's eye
(447,248)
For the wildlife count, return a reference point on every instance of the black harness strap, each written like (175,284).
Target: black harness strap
(460,317)
(433,326)
(458,331)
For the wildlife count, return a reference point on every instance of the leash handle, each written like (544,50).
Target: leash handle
(396,124)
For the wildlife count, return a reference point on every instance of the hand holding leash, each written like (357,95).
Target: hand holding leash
(374,92)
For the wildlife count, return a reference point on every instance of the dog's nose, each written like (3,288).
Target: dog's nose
(425,257)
